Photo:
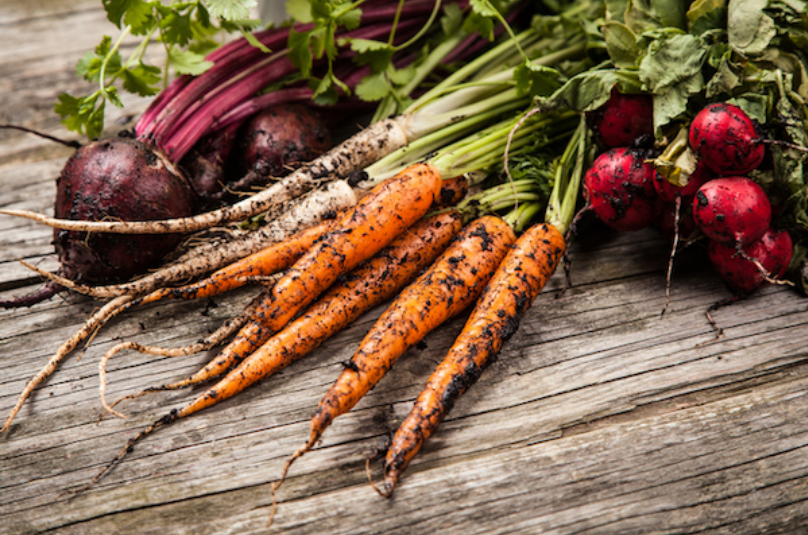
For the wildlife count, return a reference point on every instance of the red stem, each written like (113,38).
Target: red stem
(205,113)
(238,60)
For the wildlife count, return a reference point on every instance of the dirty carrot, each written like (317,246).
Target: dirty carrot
(377,219)
(255,267)
(513,288)
(368,285)
(212,340)
(451,284)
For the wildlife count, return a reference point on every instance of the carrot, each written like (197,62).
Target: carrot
(453,190)
(372,283)
(304,212)
(513,288)
(451,284)
(366,286)
(267,261)
(376,220)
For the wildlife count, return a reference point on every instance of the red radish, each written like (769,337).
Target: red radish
(772,251)
(732,210)
(668,192)
(619,188)
(725,138)
(124,179)
(623,118)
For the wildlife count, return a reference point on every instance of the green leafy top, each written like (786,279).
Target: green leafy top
(186,30)
(385,81)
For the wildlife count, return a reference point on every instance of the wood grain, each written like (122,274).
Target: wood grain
(600,416)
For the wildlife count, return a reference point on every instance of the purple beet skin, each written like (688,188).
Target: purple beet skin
(279,138)
(117,179)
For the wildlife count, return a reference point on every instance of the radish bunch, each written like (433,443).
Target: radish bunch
(731,210)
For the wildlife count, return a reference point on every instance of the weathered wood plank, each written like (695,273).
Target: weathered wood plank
(599,417)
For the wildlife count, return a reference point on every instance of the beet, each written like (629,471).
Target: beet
(277,140)
(732,210)
(726,139)
(623,118)
(619,188)
(123,179)
(773,250)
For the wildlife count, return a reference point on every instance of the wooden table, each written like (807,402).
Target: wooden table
(599,417)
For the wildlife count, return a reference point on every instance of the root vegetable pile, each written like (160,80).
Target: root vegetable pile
(462,194)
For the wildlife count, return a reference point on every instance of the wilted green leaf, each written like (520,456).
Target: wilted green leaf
(705,15)
(621,44)
(749,29)
(536,80)
(591,89)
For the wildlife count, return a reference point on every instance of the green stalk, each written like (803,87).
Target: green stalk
(388,106)
(569,172)
(421,147)
(520,217)
(102,72)
(492,57)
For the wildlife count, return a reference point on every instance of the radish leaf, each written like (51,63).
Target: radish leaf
(621,44)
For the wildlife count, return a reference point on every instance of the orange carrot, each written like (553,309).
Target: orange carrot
(363,288)
(370,284)
(267,261)
(451,284)
(253,268)
(453,190)
(377,219)
(513,288)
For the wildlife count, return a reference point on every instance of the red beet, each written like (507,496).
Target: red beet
(123,179)
(619,188)
(623,118)
(732,210)
(278,139)
(773,250)
(668,192)
(725,138)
